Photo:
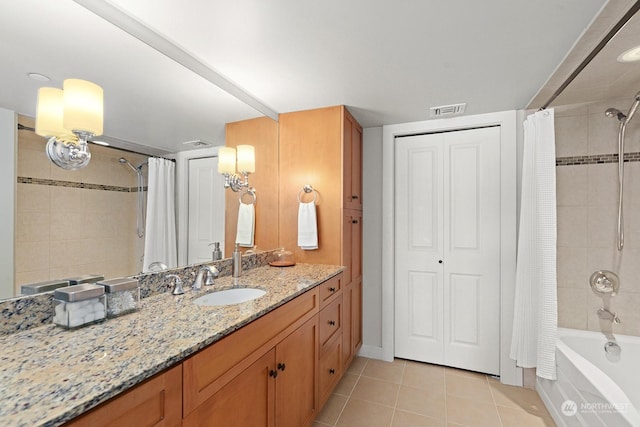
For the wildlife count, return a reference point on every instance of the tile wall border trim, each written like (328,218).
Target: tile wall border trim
(72,184)
(596,159)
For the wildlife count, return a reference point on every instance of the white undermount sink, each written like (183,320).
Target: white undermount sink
(229,296)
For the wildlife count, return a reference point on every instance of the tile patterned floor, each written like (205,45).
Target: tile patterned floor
(402,393)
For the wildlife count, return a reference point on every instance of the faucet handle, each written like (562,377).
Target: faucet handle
(177,290)
(212,274)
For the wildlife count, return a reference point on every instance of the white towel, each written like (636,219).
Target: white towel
(246,225)
(307,226)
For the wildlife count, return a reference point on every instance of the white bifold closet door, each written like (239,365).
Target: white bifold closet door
(447,248)
(206,209)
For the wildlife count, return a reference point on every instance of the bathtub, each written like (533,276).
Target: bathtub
(594,387)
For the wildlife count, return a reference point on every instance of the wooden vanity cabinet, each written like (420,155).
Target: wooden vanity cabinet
(275,371)
(264,374)
(155,402)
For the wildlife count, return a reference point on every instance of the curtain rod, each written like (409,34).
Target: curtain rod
(30,129)
(625,18)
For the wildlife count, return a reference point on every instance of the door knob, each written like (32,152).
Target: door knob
(273,373)
(281,366)
(332,322)
(439,261)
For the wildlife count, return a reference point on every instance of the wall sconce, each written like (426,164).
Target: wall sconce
(69,117)
(245,159)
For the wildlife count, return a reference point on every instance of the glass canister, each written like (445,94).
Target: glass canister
(79,305)
(123,296)
(283,258)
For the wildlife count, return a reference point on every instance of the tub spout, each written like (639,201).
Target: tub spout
(605,314)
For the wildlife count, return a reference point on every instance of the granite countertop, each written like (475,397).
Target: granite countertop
(49,375)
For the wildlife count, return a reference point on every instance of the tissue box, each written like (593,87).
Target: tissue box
(123,296)
(79,305)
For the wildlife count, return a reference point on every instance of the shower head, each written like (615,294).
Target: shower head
(614,112)
(128,163)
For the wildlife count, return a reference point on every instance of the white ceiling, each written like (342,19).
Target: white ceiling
(388,61)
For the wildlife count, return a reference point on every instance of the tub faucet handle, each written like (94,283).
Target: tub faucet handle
(606,314)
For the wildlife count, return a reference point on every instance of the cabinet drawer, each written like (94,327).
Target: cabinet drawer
(330,289)
(330,369)
(330,322)
(209,370)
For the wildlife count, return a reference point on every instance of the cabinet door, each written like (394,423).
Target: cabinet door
(247,400)
(156,402)
(296,364)
(352,162)
(356,315)
(347,328)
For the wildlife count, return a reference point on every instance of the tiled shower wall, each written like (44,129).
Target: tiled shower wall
(70,223)
(587,199)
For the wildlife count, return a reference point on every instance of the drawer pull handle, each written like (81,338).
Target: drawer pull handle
(332,371)
(273,373)
(281,366)
(332,322)
(332,289)
(355,221)
(354,197)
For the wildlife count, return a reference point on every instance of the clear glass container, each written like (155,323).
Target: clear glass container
(79,305)
(123,296)
(283,258)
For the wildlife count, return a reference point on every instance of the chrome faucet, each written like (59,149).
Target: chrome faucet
(177,289)
(206,275)
(605,314)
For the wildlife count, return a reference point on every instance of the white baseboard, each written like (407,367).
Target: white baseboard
(372,352)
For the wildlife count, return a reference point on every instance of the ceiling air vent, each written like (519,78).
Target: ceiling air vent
(198,143)
(447,110)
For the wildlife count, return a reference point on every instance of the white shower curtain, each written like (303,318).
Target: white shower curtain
(160,231)
(535,320)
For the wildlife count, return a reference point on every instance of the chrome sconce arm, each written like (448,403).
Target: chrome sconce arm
(69,154)
(236,182)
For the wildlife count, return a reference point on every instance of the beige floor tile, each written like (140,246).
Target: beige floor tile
(365,414)
(423,375)
(407,419)
(346,384)
(357,365)
(332,409)
(518,398)
(470,387)
(387,371)
(471,413)
(429,403)
(518,418)
(319,424)
(376,391)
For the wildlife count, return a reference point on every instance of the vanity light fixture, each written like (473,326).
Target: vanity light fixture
(68,117)
(630,55)
(243,158)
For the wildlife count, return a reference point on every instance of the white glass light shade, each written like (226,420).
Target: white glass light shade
(227,160)
(246,158)
(83,106)
(49,111)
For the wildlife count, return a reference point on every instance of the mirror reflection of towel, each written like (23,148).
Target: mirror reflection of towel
(246,225)
(307,226)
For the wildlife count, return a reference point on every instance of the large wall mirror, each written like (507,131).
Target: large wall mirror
(69,223)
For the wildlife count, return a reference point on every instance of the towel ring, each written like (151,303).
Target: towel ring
(307,189)
(250,191)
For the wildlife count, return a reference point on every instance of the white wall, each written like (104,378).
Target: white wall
(372,242)
(8,137)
